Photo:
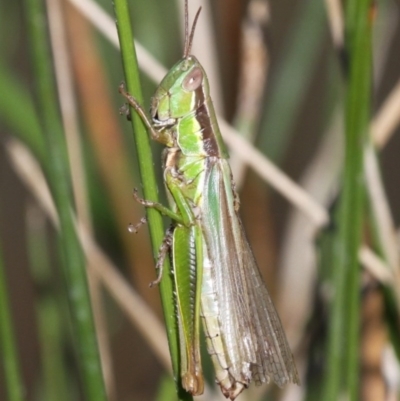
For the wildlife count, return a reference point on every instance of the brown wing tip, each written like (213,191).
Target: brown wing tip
(232,393)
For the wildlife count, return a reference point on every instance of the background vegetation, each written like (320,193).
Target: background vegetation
(313,86)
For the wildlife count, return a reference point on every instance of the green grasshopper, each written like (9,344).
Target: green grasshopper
(215,273)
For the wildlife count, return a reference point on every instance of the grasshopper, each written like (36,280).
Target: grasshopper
(215,273)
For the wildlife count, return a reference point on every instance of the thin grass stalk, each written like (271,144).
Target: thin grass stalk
(358,105)
(59,177)
(343,346)
(145,161)
(288,87)
(12,375)
(69,113)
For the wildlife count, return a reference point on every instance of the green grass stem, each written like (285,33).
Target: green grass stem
(292,78)
(150,189)
(343,347)
(59,178)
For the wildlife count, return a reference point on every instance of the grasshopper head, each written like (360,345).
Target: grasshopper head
(185,87)
(181,92)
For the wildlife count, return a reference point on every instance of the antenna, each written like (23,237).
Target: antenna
(189,38)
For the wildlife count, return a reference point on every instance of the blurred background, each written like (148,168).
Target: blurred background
(279,73)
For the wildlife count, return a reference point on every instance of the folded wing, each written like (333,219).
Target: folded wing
(250,338)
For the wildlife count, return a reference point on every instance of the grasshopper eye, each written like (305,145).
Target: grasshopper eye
(193,80)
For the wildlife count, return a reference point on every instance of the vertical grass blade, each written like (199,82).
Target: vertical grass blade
(59,178)
(13,99)
(9,358)
(292,78)
(343,348)
(150,191)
